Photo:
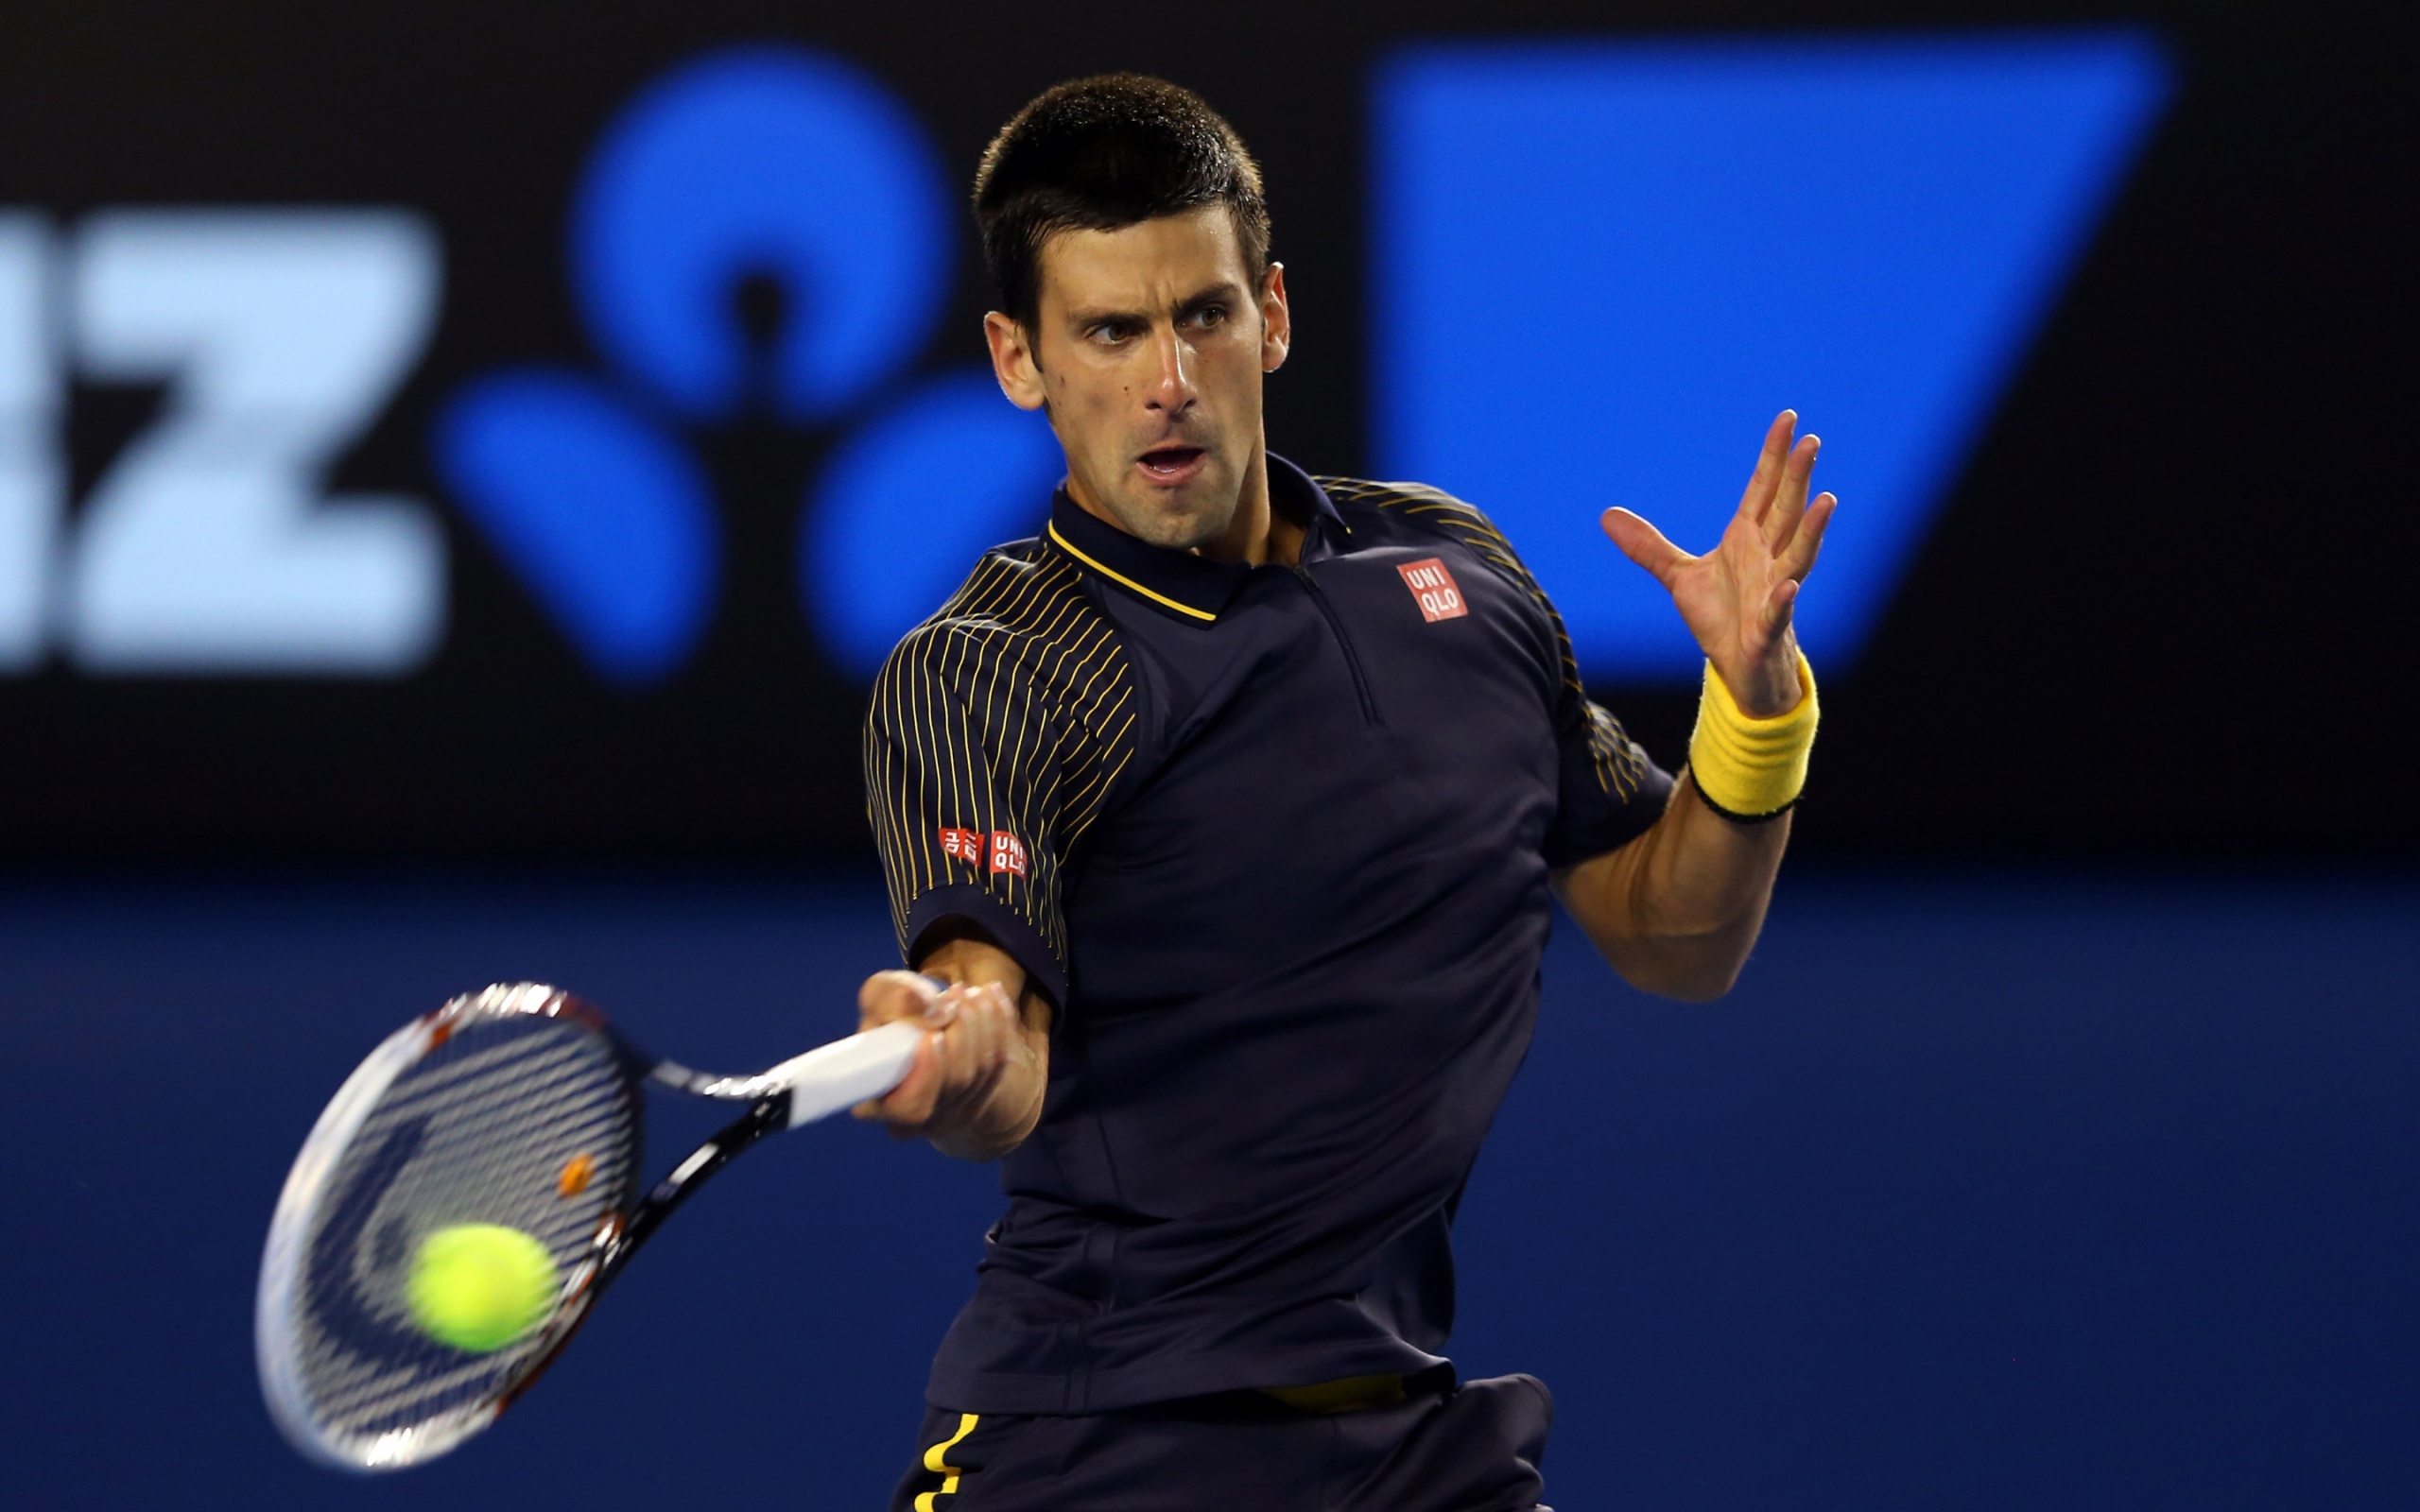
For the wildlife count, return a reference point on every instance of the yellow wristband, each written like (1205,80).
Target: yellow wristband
(1751,768)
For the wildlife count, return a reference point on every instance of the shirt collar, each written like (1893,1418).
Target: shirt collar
(1178,583)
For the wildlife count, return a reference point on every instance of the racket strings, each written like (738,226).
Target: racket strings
(482,1130)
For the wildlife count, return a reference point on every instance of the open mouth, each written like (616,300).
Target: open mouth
(1172,463)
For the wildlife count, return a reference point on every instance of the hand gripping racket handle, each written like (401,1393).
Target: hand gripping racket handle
(847,1071)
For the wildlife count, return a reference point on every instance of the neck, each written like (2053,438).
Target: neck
(1258,534)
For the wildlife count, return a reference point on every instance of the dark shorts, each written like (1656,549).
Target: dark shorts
(1469,1449)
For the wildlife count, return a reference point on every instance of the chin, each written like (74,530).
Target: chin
(1180,518)
(1170,524)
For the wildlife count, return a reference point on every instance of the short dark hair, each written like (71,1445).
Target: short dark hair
(1101,153)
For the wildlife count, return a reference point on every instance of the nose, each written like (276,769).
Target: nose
(1172,393)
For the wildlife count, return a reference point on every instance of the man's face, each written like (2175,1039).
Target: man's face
(1148,352)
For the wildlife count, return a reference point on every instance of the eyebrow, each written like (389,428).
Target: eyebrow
(1224,291)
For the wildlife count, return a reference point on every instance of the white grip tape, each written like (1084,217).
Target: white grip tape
(847,1071)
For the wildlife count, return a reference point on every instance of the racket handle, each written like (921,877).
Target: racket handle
(847,1071)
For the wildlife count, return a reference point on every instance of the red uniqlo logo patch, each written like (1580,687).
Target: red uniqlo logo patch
(1008,854)
(1432,589)
(963,845)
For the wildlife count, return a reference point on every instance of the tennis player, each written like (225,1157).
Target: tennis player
(1229,807)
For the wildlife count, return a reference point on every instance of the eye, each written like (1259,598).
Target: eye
(1209,316)
(1111,332)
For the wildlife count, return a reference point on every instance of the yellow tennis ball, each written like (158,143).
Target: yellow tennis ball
(479,1286)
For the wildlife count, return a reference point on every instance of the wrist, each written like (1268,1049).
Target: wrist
(1749,768)
(1764,689)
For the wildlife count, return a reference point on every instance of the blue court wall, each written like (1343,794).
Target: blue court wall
(1981,1192)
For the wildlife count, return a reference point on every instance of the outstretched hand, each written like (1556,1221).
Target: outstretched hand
(1737,598)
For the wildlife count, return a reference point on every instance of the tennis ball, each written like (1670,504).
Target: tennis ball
(479,1286)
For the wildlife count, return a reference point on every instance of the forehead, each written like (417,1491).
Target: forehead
(1144,265)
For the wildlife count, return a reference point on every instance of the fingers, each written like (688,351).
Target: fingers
(1779,606)
(1789,496)
(1791,566)
(1758,495)
(1797,557)
(889,996)
(1644,544)
(975,1044)
(973,1028)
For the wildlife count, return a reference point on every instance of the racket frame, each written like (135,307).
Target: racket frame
(801,1090)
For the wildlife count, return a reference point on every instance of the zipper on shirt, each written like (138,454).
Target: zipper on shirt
(1343,641)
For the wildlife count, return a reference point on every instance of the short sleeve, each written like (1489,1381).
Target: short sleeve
(995,732)
(1608,793)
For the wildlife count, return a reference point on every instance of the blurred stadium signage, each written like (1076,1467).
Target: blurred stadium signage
(1683,237)
(209,545)
(208,548)
(798,172)
(544,474)
(1691,232)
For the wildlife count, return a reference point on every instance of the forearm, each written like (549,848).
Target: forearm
(1677,911)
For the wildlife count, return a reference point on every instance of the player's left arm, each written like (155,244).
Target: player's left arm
(1677,910)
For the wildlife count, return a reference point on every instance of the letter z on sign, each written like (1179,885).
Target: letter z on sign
(1432,589)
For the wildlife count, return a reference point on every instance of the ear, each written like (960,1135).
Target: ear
(1276,322)
(1012,361)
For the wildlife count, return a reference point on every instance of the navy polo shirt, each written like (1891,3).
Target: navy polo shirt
(1275,840)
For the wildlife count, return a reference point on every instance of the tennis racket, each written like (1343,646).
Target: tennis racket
(518,1105)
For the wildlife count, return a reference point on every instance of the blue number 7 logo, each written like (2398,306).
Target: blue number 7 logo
(1678,237)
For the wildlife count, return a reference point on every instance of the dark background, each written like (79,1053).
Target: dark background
(2058,1149)
(2163,614)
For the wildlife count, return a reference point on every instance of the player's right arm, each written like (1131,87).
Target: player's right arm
(994,734)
